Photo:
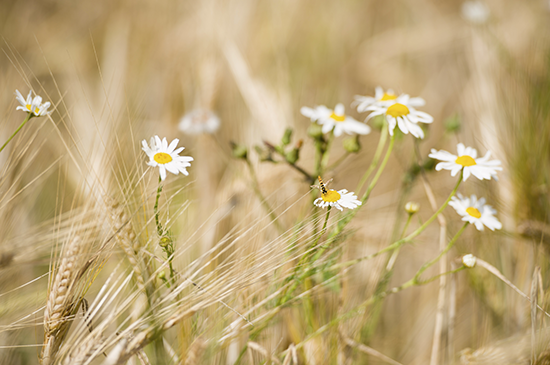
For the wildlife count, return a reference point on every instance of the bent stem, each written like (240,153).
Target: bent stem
(402,241)
(376,158)
(263,201)
(29,116)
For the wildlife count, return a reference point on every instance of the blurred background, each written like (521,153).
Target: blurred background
(119,72)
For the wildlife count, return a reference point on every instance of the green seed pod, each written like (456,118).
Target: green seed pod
(239,151)
(285,141)
(352,144)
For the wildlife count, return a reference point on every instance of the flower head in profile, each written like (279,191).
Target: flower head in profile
(166,157)
(337,199)
(476,212)
(467,159)
(199,121)
(469,260)
(335,120)
(383,98)
(32,106)
(401,113)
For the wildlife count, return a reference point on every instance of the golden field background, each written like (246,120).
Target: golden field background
(119,72)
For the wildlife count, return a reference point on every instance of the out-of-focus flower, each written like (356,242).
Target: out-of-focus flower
(403,114)
(467,159)
(166,157)
(469,260)
(335,119)
(475,12)
(32,106)
(383,98)
(476,212)
(199,121)
(412,207)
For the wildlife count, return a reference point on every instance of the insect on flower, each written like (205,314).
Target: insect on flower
(333,198)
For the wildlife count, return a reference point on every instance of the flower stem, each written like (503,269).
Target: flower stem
(407,239)
(376,158)
(160,230)
(29,116)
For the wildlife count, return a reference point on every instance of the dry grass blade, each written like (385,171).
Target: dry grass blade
(370,351)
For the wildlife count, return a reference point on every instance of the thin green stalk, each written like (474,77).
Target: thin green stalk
(263,201)
(376,158)
(380,170)
(402,241)
(449,246)
(160,230)
(29,116)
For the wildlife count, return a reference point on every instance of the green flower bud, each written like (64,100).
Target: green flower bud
(164,241)
(285,141)
(453,123)
(315,131)
(239,151)
(378,122)
(352,144)
(162,275)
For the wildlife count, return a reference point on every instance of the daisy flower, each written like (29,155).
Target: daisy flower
(476,212)
(166,157)
(199,121)
(382,98)
(32,106)
(335,119)
(337,199)
(403,114)
(467,159)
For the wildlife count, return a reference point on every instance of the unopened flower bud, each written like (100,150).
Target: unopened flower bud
(352,144)
(239,151)
(285,141)
(412,207)
(315,131)
(162,275)
(164,241)
(469,260)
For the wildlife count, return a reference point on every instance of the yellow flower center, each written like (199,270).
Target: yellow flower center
(387,97)
(162,158)
(397,110)
(331,196)
(473,212)
(36,110)
(338,118)
(465,161)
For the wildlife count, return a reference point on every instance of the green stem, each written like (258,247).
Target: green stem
(449,246)
(376,158)
(29,116)
(407,239)
(263,201)
(160,230)
(379,172)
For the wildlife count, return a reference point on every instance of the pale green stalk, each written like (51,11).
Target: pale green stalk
(376,158)
(29,116)
(407,239)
